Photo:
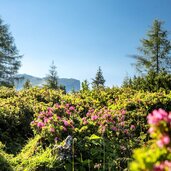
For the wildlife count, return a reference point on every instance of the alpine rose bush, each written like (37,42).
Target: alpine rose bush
(157,155)
(97,134)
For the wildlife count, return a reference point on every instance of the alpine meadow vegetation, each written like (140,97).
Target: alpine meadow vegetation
(45,129)
(125,128)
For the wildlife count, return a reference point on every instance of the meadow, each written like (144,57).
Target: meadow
(44,129)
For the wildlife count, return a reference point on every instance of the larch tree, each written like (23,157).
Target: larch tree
(154,53)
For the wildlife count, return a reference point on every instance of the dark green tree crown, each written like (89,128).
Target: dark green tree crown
(52,77)
(99,79)
(9,58)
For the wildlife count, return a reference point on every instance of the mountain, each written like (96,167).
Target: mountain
(69,83)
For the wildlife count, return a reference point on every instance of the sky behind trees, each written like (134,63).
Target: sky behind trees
(81,35)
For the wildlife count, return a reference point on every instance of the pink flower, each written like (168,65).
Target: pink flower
(68,112)
(65,123)
(158,115)
(163,112)
(49,109)
(104,116)
(64,129)
(57,106)
(126,131)
(151,130)
(103,129)
(132,126)
(114,128)
(123,118)
(160,143)
(72,108)
(122,123)
(91,110)
(123,112)
(40,124)
(67,105)
(49,113)
(158,168)
(52,129)
(166,165)
(84,119)
(165,140)
(46,120)
(32,122)
(50,118)
(169,117)
(94,117)
(85,122)
(88,114)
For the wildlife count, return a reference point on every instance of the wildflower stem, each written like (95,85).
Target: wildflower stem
(73,154)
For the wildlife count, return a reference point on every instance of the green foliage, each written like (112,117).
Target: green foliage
(151,82)
(63,88)
(16,113)
(153,61)
(52,78)
(5,159)
(105,126)
(7,92)
(9,58)
(155,156)
(155,50)
(99,80)
(34,158)
(27,84)
(85,85)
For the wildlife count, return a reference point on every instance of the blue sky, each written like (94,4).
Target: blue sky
(81,35)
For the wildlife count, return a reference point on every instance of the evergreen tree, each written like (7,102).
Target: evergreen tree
(62,87)
(99,80)
(9,58)
(27,84)
(52,78)
(155,51)
(85,85)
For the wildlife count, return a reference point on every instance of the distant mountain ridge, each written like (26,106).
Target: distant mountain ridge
(69,83)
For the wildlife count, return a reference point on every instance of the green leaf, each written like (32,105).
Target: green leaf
(94,137)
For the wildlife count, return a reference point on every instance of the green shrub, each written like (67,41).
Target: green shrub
(156,156)
(5,159)
(104,126)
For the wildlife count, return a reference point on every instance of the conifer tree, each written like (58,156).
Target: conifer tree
(85,85)
(9,57)
(99,80)
(52,77)
(27,84)
(155,50)
(63,88)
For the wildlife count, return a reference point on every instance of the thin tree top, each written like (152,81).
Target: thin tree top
(154,52)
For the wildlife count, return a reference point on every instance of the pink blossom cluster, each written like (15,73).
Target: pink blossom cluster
(157,116)
(163,166)
(55,120)
(107,119)
(159,121)
(164,140)
(84,120)
(40,124)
